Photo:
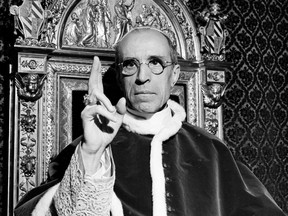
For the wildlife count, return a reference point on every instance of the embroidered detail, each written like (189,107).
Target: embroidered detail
(79,196)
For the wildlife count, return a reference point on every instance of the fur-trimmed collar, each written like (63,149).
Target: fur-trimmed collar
(154,123)
(162,125)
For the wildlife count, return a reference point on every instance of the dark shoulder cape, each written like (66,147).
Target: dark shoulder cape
(202,178)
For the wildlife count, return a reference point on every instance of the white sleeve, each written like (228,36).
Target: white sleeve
(105,169)
(80,194)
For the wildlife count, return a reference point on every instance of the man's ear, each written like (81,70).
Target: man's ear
(175,74)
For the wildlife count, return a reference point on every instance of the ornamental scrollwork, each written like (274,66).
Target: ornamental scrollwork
(188,30)
(28,142)
(28,122)
(211,120)
(71,68)
(32,64)
(27,165)
(190,81)
(216,76)
(211,125)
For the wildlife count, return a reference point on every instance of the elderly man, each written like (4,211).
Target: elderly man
(140,157)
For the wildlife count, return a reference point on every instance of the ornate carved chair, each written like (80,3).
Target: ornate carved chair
(55,49)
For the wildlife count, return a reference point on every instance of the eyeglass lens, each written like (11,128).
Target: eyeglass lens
(131,66)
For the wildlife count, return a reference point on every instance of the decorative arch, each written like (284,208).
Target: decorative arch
(97,24)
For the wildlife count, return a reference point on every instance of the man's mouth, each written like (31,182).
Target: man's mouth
(145,92)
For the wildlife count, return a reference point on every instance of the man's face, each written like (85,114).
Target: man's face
(147,92)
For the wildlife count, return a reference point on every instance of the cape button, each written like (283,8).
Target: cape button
(168,179)
(170,209)
(169,195)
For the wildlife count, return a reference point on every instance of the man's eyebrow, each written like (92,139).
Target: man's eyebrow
(128,58)
(157,57)
(160,57)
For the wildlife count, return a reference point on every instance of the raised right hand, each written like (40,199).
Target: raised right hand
(101,120)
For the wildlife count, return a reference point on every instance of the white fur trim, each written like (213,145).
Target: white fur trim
(158,179)
(163,125)
(179,112)
(42,207)
(116,206)
(156,165)
(151,125)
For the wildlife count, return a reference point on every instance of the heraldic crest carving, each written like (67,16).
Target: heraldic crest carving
(213,35)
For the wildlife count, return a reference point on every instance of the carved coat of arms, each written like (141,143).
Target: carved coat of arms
(213,34)
(31,15)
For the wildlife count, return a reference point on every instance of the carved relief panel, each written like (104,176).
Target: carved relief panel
(102,23)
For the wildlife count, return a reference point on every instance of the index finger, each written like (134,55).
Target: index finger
(95,79)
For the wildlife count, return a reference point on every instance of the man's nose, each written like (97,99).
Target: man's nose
(144,73)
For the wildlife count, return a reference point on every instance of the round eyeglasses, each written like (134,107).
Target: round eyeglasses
(131,66)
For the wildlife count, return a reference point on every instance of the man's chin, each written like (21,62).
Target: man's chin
(147,107)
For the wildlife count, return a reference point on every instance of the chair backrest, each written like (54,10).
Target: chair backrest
(55,48)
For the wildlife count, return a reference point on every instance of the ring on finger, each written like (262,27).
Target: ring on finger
(87,100)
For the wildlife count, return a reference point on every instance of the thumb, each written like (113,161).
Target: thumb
(121,106)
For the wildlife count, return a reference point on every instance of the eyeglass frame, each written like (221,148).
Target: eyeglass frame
(162,63)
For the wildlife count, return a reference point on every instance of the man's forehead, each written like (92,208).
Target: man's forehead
(144,40)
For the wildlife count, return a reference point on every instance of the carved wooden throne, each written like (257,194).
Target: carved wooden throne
(56,44)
